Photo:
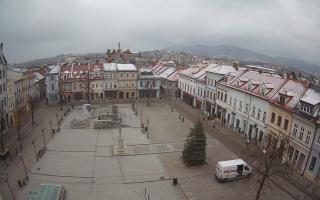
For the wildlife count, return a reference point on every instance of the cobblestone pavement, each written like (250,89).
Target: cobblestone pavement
(43,114)
(84,163)
(291,185)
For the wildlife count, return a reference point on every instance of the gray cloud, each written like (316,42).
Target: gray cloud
(40,28)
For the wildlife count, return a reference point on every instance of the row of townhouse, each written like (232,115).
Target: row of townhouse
(197,85)
(23,86)
(168,73)
(262,107)
(265,107)
(17,88)
(100,81)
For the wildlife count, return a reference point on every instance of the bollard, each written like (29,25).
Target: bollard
(174,180)
(19,183)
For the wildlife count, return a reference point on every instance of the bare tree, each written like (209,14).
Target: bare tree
(274,161)
(2,124)
(17,116)
(31,106)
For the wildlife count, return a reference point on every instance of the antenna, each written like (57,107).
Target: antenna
(119,45)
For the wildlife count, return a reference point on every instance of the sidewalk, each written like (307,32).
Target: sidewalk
(14,165)
(237,144)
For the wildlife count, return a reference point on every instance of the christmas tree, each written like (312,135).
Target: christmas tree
(194,152)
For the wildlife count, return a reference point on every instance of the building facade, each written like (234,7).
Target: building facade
(3,87)
(52,85)
(127,81)
(304,150)
(148,84)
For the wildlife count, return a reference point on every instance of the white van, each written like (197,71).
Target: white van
(232,169)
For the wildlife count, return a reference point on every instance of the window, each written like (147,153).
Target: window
(247,107)
(273,116)
(286,123)
(51,78)
(282,100)
(218,94)
(253,111)
(312,163)
(318,139)
(240,105)
(225,97)
(141,83)
(308,136)
(259,114)
(230,101)
(264,116)
(235,103)
(301,133)
(52,87)
(92,85)
(279,121)
(295,129)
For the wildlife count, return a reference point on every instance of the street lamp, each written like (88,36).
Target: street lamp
(44,137)
(50,123)
(24,166)
(34,148)
(4,177)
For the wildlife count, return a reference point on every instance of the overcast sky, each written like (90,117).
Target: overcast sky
(41,28)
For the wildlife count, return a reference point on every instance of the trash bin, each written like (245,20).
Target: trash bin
(174,180)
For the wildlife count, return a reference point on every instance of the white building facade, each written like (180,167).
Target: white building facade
(52,85)
(242,102)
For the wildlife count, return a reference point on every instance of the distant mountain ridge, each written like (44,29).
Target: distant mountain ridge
(231,51)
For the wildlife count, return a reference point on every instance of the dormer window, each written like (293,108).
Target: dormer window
(282,100)
(249,86)
(285,97)
(263,91)
(306,108)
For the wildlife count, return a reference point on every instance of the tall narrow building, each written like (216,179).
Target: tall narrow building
(3,87)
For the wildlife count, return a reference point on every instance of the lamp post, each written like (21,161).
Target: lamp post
(24,166)
(44,137)
(141,116)
(50,123)
(34,148)
(4,177)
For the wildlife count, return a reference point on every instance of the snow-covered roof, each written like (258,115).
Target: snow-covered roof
(221,69)
(311,96)
(38,76)
(167,72)
(109,66)
(294,90)
(126,67)
(258,79)
(55,69)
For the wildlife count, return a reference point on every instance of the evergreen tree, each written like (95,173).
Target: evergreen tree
(194,152)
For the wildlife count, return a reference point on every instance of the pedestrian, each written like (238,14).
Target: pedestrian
(248,141)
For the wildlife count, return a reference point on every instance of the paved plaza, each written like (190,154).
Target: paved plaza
(82,161)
